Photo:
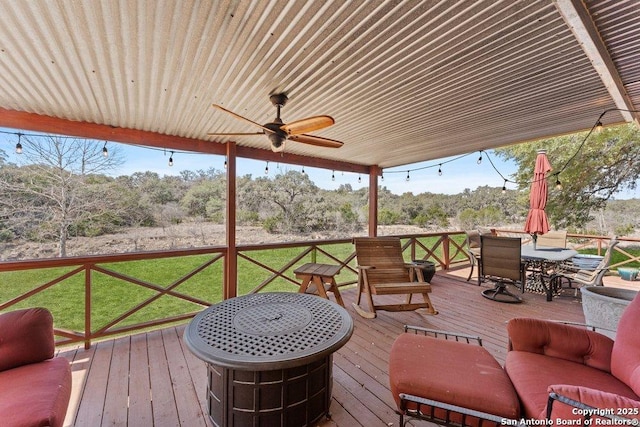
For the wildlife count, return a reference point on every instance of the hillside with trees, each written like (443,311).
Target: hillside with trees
(63,190)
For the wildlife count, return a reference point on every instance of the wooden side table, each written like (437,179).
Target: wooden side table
(319,278)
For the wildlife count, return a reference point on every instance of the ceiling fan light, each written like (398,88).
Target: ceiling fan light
(277,142)
(277,149)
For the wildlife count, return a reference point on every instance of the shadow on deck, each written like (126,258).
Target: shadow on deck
(152,379)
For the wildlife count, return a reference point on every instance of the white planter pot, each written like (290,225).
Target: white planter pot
(603,306)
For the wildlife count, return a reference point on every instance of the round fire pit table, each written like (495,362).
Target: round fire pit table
(269,357)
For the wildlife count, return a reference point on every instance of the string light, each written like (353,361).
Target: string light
(226,164)
(18,145)
(266,169)
(504,187)
(408,177)
(595,129)
(303,172)
(359,179)
(333,175)
(105,151)
(598,127)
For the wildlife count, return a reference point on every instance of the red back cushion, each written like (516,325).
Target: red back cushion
(26,336)
(625,356)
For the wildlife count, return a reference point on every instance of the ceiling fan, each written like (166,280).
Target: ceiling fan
(278,132)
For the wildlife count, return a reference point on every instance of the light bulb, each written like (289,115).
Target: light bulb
(598,127)
(171,159)
(18,145)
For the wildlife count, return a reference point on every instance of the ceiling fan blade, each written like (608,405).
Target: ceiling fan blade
(316,140)
(307,125)
(235,133)
(238,116)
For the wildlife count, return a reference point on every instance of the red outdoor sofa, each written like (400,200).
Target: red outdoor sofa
(553,371)
(35,386)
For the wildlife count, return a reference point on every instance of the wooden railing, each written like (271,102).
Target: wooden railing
(444,249)
(89,285)
(93,297)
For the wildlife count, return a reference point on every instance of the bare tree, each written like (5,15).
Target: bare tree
(49,190)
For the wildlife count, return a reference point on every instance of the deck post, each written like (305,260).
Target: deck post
(413,247)
(87,306)
(230,286)
(374,171)
(446,250)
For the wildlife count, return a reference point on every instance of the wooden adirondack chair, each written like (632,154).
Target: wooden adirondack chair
(383,271)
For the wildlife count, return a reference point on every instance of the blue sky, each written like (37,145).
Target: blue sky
(458,172)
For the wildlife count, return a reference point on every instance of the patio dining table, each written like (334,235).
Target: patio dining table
(540,260)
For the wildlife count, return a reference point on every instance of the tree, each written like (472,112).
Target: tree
(434,215)
(51,190)
(206,199)
(290,202)
(158,191)
(591,171)
(485,217)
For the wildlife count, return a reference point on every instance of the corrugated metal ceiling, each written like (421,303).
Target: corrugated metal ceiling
(406,81)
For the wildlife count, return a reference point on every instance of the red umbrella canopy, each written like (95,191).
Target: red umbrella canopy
(537,222)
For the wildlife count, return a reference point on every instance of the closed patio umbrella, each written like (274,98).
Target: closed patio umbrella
(537,222)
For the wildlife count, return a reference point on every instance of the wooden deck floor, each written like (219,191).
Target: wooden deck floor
(152,379)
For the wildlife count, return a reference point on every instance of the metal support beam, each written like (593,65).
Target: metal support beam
(578,18)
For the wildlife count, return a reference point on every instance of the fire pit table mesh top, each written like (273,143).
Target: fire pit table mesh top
(276,329)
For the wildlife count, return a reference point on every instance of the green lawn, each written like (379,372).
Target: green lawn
(111,297)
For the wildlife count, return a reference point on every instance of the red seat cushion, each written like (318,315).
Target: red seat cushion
(36,394)
(533,373)
(452,372)
(26,337)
